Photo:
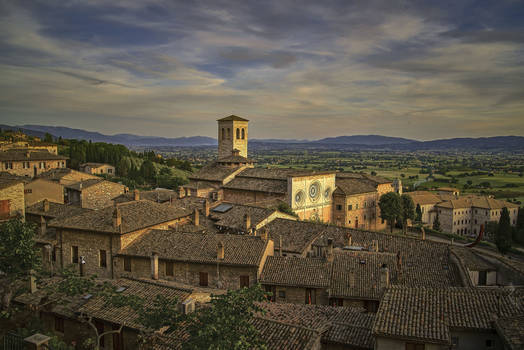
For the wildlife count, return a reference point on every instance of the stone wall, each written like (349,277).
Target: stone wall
(297,295)
(40,189)
(101,194)
(227,139)
(244,197)
(27,168)
(15,195)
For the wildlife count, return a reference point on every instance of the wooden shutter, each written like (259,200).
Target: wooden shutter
(203,279)
(244,281)
(4,209)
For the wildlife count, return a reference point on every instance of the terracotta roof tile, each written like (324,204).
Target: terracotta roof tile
(292,271)
(29,156)
(198,247)
(56,210)
(511,330)
(258,184)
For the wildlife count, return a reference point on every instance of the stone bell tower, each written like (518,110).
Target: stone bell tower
(232,135)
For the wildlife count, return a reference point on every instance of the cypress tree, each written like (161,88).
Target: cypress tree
(503,233)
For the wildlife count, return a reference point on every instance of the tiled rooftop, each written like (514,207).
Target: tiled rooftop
(56,210)
(136,215)
(511,330)
(300,272)
(429,314)
(213,172)
(354,186)
(257,184)
(198,247)
(16,155)
(471,260)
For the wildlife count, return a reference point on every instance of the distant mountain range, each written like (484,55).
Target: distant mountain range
(357,142)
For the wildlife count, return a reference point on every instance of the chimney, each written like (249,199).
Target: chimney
(264,235)
(154,266)
(80,185)
(220,251)
(329,254)
(43,226)
(423,233)
(32,281)
(117,218)
(384,277)
(206,207)
(247,223)
(374,245)
(349,239)
(196,217)
(399,263)
(136,195)
(181,192)
(46,205)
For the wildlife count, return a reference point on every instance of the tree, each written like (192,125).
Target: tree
(285,208)
(390,208)
(408,211)
(503,233)
(226,324)
(148,171)
(519,230)
(18,257)
(436,223)
(48,138)
(418,214)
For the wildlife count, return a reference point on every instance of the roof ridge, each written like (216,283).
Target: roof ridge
(288,324)
(158,284)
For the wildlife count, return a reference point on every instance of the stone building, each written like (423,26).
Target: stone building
(93,238)
(439,319)
(356,198)
(37,189)
(97,169)
(93,193)
(64,316)
(28,145)
(232,135)
(66,176)
(223,261)
(12,202)
(30,163)
(461,215)
(159,195)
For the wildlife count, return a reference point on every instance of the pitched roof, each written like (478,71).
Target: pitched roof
(94,165)
(511,330)
(57,174)
(354,186)
(258,184)
(136,215)
(214,172)
(428,314)
(340,325)
(372,179)
(296,236)
(357,274)
(280,173)
(235,159)
(98,308)
(233,118)
(198,247)
(284,336)
(82,185)
(482,202)
(157,195)
(6,180)
(29,155)
(56,210)
(293,271)
(234,218)
(471,260)
(424,197)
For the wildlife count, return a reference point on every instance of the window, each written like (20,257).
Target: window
(282,294)
(223,133)
(489,343)
(103,258)
(74,254)
(356,206)
(8,165)
(244,281)
(455,342)
(350,207)
(482,278)
(415,346)
(339,207)
(127,264)
(5,208)
(53,254)
(170,268)
(109,171)
(243,134)
(310,297)
(238,133)
(28,191)
(203,278)
(59,324)
(228,133)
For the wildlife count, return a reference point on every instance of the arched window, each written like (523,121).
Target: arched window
(223,133)
(243,134)
(238,133)
(228,133)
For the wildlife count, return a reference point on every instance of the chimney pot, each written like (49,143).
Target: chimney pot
(329,254)
(384,276)
(196,217)
(117,218)
(247,223)
(46,205)
(181,192)
(154,266)
(206,207)
(220,251)
(349,239)
(136,195)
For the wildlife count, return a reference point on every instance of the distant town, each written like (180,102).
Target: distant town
(283,247)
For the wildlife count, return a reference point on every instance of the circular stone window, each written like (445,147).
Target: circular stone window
(299,197)
(314,191)
(327,193)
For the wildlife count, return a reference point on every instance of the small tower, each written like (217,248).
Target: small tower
(397,186)
(232,135)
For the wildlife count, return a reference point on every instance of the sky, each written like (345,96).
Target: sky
(295,69)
